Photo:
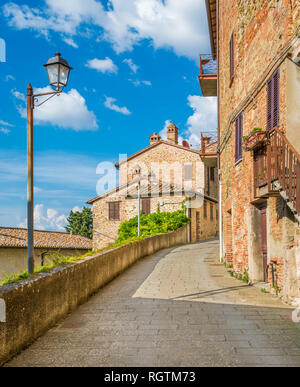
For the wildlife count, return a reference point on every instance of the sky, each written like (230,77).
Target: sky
(135,66)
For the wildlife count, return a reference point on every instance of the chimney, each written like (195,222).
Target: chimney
(205,141)
(185,144)
(173,134)
(154,138)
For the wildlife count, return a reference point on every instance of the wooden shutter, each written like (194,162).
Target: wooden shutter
(276,97)
(238,137)
(212,173)
(146,205)
(110,211)
(211,211)
(269,104)
(114,211)
(205,209)
(117,211)
(231,50)
(188,172)
(273,100)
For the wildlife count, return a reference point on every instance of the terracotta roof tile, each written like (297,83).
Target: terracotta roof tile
(17,237)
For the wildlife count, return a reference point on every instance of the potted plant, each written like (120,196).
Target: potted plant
(254,139)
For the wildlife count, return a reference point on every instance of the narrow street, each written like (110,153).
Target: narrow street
(178,307)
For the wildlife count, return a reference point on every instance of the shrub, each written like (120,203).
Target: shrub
(152,224)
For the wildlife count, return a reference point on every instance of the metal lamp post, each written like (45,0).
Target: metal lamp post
(58,71)
(139,209)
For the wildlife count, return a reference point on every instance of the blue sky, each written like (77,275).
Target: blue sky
(135,69)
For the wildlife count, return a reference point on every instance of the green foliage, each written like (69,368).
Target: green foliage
(81,223)
(152,224)
(252,131)
(241,277)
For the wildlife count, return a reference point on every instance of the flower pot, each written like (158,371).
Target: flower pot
(255,140)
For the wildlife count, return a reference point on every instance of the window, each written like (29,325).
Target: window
(188,172)
(146,206)
(211,211)
(114,211)
(212,173)
(231,50)
(273,103)
(205,209)
(238,137)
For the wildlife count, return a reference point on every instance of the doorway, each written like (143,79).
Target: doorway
(264,240)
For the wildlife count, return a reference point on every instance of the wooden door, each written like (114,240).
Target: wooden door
(264,241)
(198,228)
(146,206)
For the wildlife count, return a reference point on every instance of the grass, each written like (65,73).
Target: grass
(241,277)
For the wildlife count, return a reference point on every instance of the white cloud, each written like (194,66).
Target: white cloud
(204,119)
(9,78)
(47,220)
(18,95)
(110,104)
(134,68)
(70,42)
(4,123)
(67,111)
(77,209)
(170,24)
(5,130)
(103,65)
(137,82)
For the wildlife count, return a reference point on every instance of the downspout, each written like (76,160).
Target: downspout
(219,151)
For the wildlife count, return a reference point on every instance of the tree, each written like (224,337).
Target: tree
(81,223)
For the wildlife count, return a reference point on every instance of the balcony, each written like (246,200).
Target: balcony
(277,170)
(208,76)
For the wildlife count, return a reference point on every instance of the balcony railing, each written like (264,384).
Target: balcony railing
(208,76)
(277,167)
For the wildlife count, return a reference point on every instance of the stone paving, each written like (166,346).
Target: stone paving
(178,307)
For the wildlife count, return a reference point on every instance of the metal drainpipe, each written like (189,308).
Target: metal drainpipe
(219,154)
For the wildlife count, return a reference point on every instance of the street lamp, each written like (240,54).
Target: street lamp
(58,71)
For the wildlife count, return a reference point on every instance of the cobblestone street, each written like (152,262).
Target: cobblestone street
(178,307)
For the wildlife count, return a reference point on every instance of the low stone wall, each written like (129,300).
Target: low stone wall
(33,306)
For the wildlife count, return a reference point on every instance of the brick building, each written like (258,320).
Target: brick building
(168,173)
(256,48)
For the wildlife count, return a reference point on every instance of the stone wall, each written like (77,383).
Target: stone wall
(167,163)
(34,306)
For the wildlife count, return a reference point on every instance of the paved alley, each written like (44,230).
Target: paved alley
(178,307)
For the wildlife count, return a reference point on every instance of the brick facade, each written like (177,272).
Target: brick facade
(264,41)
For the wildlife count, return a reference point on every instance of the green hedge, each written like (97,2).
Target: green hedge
(152,224)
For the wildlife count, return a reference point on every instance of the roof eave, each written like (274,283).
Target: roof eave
(211,35)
